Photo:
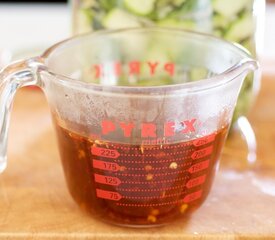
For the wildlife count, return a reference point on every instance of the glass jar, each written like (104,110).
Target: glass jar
(239,21)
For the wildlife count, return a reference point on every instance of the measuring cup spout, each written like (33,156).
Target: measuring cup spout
(242,67)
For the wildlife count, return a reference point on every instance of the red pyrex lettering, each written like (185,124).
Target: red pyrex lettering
(147,130)
(133,68)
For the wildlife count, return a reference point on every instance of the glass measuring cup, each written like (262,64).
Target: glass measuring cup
(139,142)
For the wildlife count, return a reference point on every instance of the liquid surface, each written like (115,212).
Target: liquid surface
(139,185)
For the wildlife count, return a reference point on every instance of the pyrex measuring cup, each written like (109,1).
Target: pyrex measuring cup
(141,116)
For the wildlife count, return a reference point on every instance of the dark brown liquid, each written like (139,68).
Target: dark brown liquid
(139,185)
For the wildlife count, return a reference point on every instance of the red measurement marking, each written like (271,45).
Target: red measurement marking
(149,204)
(162,147)
(153,181)
(105,152)
(113,181)
(204,140)
(155,155)
(196,181)
(159,168)
(202,153)
(108,195)
(175,159)
(155,197)
(192,196)
(109,166)
(149,190)
(199,166)
(155,175)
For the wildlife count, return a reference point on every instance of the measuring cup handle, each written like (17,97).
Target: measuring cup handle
(13,77)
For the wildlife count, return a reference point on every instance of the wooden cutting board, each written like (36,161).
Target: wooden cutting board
(35,203)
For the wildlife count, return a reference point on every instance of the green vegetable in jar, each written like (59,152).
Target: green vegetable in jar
(232,20)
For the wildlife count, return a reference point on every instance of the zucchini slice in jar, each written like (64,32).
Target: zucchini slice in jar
(241,29)
(229,8)
(140,7)
(118,18)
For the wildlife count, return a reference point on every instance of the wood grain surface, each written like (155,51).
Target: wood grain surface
(35,203)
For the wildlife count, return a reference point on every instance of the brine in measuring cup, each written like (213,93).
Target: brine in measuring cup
(139,184)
